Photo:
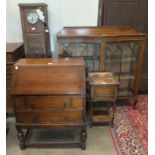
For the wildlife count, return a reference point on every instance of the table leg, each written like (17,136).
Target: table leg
(83,139)
(113,113)
(20,137)
(135,102)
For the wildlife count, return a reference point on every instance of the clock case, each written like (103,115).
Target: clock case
(36,36)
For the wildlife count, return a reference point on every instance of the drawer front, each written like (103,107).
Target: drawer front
(39,117)
(104,91)
(47,102)
(74,116)
(9,69)
(46,117)
(9,57)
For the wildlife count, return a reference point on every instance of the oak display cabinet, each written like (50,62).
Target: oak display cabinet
(118,49)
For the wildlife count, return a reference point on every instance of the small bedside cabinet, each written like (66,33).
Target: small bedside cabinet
(103,94)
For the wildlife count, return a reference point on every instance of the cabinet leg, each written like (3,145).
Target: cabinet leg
(113,114)
(20,137)
(135,102)
(83,139)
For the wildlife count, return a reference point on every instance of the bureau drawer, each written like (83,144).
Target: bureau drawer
(104,91)
(39,117)
(46,117)
(47,102)
(74,116)
(9,69)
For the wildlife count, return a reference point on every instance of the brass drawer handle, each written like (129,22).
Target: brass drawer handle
(67,105)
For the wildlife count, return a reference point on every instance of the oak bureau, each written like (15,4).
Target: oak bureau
(49,93)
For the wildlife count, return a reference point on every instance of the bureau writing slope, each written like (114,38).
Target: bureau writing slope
(49,93)
(117,49)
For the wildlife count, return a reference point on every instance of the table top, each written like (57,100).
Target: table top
(103,78)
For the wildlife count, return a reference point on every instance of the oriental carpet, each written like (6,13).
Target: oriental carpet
(130,132)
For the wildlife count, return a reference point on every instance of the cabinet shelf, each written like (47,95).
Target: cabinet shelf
(100,116)
(124,92)
(85,57)
(121,60)
(125,77)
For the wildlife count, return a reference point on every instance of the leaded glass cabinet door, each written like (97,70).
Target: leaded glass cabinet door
(122,59)
(89,51)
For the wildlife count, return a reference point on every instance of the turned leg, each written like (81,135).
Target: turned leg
(20,137)
(83,139)
(113,113)
(135,102)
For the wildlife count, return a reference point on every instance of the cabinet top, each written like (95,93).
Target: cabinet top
(50,62)
(103,78)
(31,4)
(102,31)
(11,47)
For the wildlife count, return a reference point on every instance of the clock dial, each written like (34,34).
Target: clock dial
(32,17)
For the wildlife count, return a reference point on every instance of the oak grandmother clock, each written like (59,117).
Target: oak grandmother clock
(35,29)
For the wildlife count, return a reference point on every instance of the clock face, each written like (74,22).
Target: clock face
(32,18)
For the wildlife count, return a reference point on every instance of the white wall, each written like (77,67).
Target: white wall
(60,12)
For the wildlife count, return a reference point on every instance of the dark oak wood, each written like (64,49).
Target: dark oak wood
(49,93)
(36,36)
(104,87)
(118,49)
(14,51)
(106,31)
(127,12)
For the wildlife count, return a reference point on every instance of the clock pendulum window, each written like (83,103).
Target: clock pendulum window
(34,20)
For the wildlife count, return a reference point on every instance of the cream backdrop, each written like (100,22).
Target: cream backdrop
(60,13)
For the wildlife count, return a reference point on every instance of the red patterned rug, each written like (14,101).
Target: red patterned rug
(130,132)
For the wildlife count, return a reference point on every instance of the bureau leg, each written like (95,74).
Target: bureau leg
(20,137)
(83,139)
(113,114)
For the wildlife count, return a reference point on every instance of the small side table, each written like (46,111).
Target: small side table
(104,87)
